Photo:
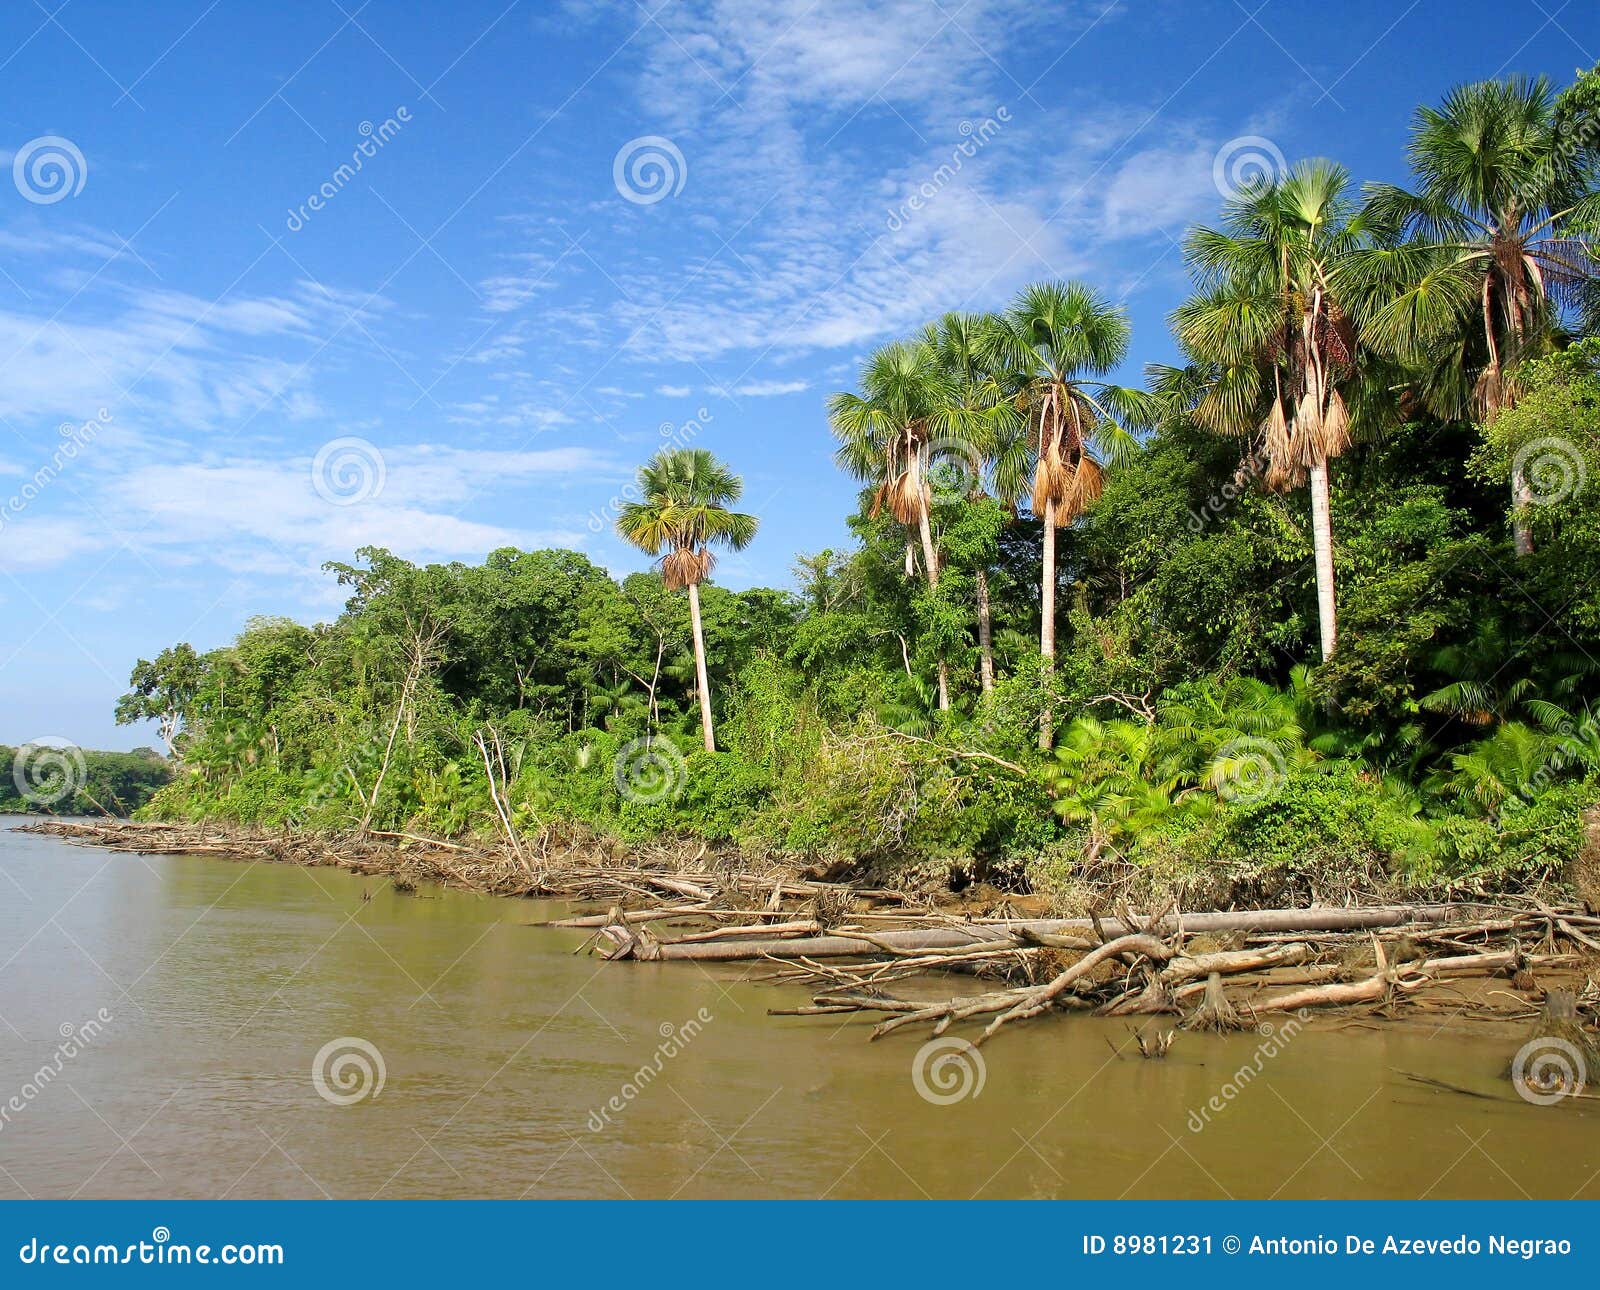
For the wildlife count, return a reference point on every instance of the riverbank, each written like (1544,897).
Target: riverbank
(1513,960)
(576,866)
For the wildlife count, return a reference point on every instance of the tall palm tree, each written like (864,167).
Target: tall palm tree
(1060,339)
(1277,345)
(907,402)
(1475,262)
(683,511)
(961,345)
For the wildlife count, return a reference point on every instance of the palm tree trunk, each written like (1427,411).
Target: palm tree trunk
(1521,499)
(702,682)
(1521,494)
(985,634)
(1047,615)
(1322,542)
(931,561)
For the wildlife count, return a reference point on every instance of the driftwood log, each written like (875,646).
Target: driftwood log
(844,945)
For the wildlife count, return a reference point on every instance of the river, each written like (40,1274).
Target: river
(175,1007)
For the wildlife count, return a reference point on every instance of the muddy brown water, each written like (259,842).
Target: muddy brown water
(160,1018)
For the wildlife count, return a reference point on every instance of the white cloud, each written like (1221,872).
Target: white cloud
(1163,187)
(42,542)
(510,290)
(807,129)
(770,55)
(489,409)
(267,515)
(28,238)
(174,355)
(766,389)
(810,288)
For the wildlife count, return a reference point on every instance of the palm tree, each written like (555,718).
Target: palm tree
(685,495)
(1474,263)
(906,403)
(1508,764)
(1116,778)
(1237,729)
(1483,691)
(1059,339)
(1277,346)
(961,345)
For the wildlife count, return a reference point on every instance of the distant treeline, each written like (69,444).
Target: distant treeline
(47,779)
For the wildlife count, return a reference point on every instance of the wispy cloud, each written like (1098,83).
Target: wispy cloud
(267,514)
(763,389)
(812,243)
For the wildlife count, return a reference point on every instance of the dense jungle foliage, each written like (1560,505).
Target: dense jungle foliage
(1318,607)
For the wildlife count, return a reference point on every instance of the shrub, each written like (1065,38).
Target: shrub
(1327,812)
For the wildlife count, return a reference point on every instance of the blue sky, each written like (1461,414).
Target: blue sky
(574,229)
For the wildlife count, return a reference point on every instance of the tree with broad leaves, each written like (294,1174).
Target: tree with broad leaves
(162,691)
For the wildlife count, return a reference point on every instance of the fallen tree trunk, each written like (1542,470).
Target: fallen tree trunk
(638,916)
(805,927)
(1228,962)
(842,945)
(1374,989)
(808,947)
